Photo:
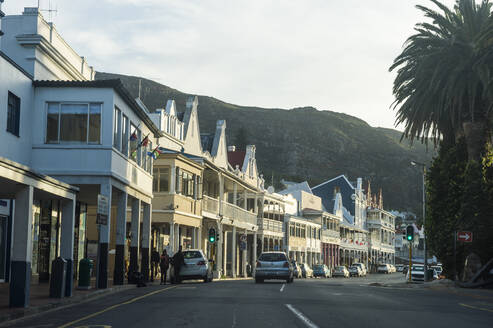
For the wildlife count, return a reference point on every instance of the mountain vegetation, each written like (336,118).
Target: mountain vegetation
(306,144)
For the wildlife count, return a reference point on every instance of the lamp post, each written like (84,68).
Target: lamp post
(414,163)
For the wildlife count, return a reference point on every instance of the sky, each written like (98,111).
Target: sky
(332,55)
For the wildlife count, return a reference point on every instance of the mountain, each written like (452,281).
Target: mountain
(306,143)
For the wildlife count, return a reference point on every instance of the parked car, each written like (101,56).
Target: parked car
(340,271)
(362,267)
(306,271)
(404,270)
(355,271)
(417,273)
(399,267)
(273,265)
(196,267)
(296,269)
(392,268)
(383,268)
(438,269)
(321,270)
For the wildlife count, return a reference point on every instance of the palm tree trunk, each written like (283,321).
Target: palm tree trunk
(475,134)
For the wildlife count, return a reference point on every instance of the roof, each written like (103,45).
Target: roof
(114,84)
(326,192)
(236,158)
(207,141)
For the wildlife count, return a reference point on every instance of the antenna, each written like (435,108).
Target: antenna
(50,10)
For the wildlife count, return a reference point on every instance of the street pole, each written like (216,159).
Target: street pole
(424,224)
(410,259)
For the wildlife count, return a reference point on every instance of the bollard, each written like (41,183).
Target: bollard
(58,277)
(85,268)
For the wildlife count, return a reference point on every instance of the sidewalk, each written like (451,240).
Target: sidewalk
(41,302)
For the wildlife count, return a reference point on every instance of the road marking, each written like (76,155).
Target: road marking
(475,307)
(234,319)
(282,287)
(301,316)
(115,306)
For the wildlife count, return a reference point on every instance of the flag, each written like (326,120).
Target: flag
(145,141)
(134,154)
(155,153)
(133,137)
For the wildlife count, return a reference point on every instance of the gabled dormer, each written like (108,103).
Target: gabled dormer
(191,127)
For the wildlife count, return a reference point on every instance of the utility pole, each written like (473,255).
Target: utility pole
(414,163)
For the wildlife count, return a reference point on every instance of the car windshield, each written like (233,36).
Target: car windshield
(340,268)
(272,257)
(318,267)
(418,268)
(192,255)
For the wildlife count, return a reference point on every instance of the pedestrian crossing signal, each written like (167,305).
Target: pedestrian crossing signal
(409,233)
(212,235)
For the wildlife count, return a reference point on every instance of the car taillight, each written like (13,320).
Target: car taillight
(286,264)
(201,263)
(258,264)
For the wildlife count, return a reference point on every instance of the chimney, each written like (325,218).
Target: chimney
(232,148)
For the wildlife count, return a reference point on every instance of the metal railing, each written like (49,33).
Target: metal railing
(271,225)
(210,204)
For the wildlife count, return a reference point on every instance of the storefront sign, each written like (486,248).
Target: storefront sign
(103,210)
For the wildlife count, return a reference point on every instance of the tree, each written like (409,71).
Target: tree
(241,138)
(444,76)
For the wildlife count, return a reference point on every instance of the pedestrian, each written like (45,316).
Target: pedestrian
(178,262)
(154,263)
(164,265)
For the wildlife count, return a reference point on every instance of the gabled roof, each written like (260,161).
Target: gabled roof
(114,84)
(236,158)
(326,192)
(207,140)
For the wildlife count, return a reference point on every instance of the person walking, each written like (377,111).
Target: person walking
(155,259)
(164,266)
(178,262)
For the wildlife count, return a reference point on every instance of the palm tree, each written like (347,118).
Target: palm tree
(443,87)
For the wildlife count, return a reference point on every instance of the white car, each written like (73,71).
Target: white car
(196,267)
(417,273)
(384,268)
(362,268)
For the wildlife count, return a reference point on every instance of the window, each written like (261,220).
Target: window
(74,122)
(125,135)
(161,179)
(117,129)
(13,114)
(292,229)
(134,143)
(187,183)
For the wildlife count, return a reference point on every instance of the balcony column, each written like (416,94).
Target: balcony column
(20,278)
(172,185)
(235,193)
(254,254)
(171,242)
(225,253)
(135,241)
(67,242)
(233,253)
(255,206)
(244,258)
(177,237)
(121,228)
(221,196)
(104,240)
(146,241)
(245,202)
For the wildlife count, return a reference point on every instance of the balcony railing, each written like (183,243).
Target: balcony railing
(210,204)
(270,225)
(237,213)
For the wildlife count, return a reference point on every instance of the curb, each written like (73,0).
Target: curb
(23,313)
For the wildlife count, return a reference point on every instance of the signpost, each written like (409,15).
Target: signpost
(103,210)
(464,236)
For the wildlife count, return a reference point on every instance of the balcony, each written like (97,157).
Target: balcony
(270,225)
(330,236)
(236,213)
(210,205)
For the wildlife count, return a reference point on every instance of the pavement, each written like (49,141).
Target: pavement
(372,301)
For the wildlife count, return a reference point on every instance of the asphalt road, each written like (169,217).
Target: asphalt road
(305,303)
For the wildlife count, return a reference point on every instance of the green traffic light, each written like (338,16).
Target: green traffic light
(212,239)
(409,237)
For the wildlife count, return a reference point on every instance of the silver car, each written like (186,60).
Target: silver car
(196,267)
(273,265)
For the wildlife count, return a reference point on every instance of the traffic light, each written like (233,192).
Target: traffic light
(212,235)
(409,233)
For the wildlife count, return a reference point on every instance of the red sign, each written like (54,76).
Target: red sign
(464,236)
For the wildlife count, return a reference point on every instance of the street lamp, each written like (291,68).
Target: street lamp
(414,163)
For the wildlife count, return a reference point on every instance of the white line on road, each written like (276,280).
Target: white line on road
(301,316)
(282,287)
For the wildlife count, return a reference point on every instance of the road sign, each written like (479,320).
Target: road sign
(243,246)
(464,236)
(103,210)
(243,238)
